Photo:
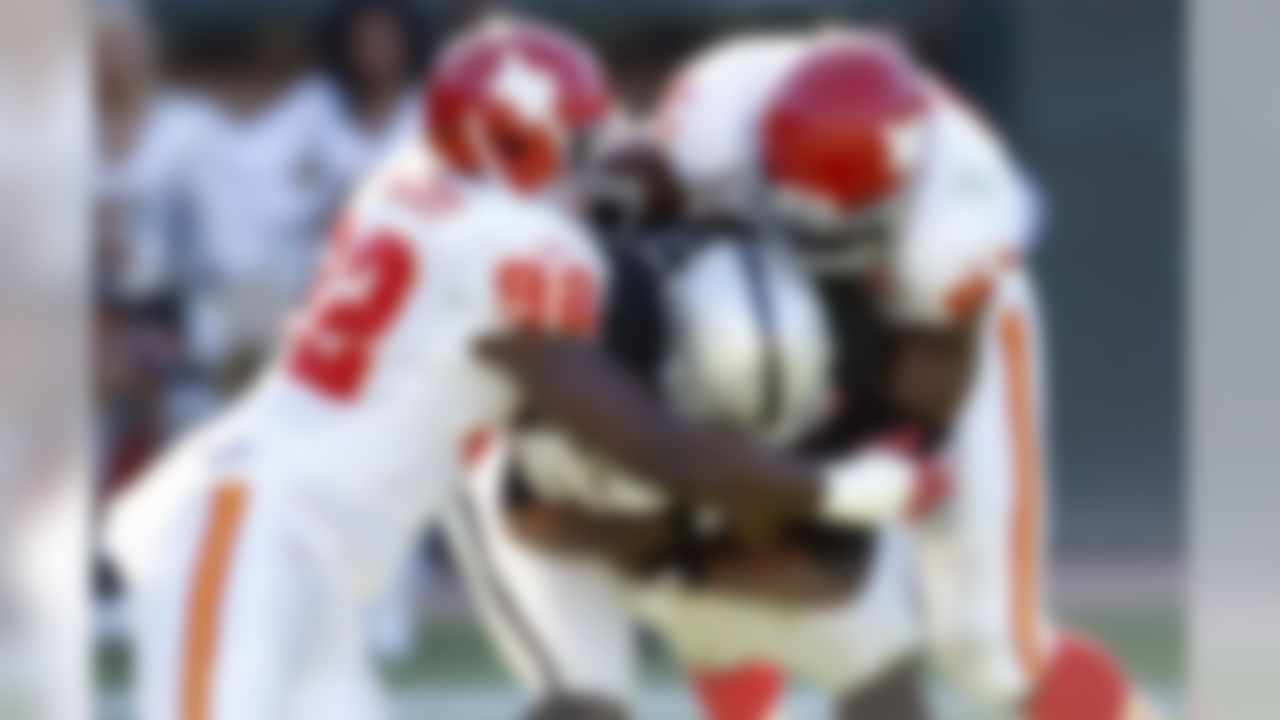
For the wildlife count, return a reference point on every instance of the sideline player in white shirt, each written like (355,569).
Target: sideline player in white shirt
(259,202)
(252,547)
(891,187)
(147,139)
(366,88)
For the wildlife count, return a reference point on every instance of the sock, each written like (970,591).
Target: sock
(1083,682)
(747,692)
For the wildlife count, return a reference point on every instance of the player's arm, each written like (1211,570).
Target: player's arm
(930,378)
(584,392)
(628,542)
(980,382)
(648,544)
(601,405)
(944,294)
(933,372)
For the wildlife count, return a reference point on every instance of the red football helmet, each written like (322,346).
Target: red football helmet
(841,137)
(512,99)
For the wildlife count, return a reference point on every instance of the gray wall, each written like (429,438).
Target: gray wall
(1101,122)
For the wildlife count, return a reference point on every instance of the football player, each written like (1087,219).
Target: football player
(561,546)
(252,547)
(900,198)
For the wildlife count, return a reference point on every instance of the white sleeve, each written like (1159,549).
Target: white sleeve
(945,270)
(708,118)
(473,256)
(973,216)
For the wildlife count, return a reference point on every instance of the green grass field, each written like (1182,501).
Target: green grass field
(453,675)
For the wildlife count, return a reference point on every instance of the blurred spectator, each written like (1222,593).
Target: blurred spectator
(284,152)
(259,198)
(146,141)
(372,54)
(209,209)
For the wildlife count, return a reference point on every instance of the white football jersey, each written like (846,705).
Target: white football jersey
(708,118)
(971,211)
(380,382)
(368,413)
(972,214)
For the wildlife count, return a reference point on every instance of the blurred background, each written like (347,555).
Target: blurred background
(228,132)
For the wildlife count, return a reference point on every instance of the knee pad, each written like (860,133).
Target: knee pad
(1081,682)
(566,707)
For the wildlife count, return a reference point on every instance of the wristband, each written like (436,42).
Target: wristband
(873,487)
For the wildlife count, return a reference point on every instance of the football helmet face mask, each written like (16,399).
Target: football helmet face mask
(516,101)
(841,140)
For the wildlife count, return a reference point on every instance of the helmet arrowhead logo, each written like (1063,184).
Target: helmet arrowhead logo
(527,89)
